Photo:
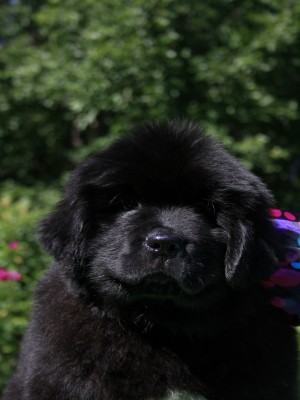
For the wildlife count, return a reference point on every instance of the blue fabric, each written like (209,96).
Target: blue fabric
(285,282)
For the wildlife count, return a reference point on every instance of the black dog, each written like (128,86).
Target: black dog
(160,244)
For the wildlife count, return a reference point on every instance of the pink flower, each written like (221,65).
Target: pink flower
(286,278)
(277,302)
(13,245)
(9,275)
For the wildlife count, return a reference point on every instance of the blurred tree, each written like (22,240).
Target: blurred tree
(76,74)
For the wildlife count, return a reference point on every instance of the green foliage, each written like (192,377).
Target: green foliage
(19,212)
(76,74)
(15,303)
(20,208)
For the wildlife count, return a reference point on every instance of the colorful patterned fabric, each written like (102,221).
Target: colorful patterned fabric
(285,282)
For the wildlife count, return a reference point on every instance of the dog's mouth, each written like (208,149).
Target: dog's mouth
(156,286)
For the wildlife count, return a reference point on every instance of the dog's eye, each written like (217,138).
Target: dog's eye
(206,207)
(211,208)
(129,203)
(121,202)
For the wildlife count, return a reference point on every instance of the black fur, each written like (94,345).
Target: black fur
(160,244)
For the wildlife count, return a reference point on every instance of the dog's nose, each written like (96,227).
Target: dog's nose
(164,244)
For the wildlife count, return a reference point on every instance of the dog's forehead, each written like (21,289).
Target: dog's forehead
(162,167)
(161,156)
(172,164)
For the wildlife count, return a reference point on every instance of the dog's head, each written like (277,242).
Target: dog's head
(163,214)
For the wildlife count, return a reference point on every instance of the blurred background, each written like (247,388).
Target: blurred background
(76,74)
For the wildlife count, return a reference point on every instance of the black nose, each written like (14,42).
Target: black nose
(164,244)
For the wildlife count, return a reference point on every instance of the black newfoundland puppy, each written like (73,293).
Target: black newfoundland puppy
(160,245)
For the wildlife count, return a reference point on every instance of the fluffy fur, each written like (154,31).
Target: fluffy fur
(160,243)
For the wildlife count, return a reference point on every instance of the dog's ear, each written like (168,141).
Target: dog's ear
(63,232)
(250,255)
